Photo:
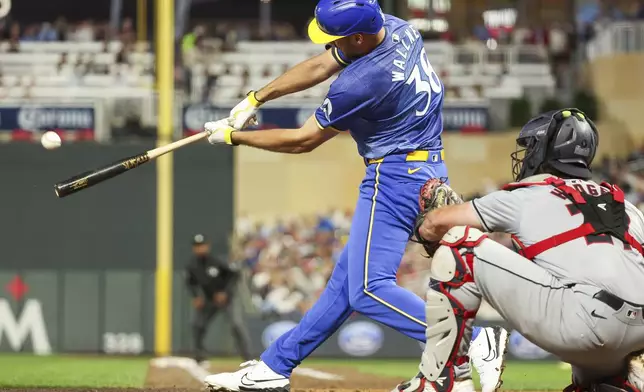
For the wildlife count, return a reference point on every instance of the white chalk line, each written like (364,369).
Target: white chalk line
(317,374)
(199,373)
(187,364)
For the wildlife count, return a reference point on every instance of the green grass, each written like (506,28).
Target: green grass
(102,371)
(71,371)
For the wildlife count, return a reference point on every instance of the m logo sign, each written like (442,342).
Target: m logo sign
(16,327)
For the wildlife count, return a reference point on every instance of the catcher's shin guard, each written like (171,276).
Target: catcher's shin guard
(452,303)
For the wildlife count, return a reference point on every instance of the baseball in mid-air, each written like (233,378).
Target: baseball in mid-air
(50,140)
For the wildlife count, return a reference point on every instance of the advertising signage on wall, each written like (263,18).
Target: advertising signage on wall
(42,117)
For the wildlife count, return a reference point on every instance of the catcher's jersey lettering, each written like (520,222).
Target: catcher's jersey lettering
(587,188)
(389,100)
(539,212)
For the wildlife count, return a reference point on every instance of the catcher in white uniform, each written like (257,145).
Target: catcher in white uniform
(573,285)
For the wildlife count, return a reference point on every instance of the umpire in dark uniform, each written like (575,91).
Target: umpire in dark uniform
(212,283)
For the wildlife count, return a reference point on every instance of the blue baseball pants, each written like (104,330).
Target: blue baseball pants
(364,278)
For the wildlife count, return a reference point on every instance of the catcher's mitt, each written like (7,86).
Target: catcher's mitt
(434,194)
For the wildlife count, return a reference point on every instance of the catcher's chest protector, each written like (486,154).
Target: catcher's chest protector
(604,216)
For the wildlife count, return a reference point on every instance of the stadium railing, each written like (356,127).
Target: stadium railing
(615,38)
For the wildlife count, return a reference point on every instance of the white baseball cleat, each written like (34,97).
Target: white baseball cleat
(487,354)
(254,376)
(420,384)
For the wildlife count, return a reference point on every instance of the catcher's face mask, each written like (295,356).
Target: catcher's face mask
(531,147)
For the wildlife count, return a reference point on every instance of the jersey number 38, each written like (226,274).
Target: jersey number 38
(424,86)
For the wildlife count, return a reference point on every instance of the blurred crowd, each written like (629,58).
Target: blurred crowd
(594,17)
(590,18)
(61,30)
(289,262)
(628,174)
(78,64)
(201,43)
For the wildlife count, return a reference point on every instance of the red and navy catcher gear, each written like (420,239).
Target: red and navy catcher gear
(448,317)
(604,215)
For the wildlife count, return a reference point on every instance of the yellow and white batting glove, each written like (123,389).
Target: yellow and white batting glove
(244,113)
(219,132)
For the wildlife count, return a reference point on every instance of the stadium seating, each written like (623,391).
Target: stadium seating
(473,71)
(470,72)
(38,70)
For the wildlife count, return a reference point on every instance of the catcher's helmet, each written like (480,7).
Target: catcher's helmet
(564,140)
(335,19)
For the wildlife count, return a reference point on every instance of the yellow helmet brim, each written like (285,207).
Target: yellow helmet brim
(318,36)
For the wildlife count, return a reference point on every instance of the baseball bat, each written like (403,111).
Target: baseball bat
(92,177)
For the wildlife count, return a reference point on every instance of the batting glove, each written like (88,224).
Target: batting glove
(244,114)
(219,132)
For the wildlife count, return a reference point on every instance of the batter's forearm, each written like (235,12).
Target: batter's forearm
(301,77)
(297,79)
(276,140)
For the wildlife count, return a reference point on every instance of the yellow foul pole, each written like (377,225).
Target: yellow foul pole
(165,84)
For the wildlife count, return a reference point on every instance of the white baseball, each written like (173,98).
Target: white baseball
(50,140)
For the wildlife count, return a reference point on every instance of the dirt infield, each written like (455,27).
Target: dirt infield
(352,380)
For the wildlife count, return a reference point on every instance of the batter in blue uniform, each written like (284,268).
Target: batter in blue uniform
(389,99)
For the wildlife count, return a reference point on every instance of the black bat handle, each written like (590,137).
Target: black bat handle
(93,177)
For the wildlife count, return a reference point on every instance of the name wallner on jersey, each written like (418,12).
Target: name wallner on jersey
(405,44)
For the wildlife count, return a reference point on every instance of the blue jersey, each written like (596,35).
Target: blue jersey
(390,100)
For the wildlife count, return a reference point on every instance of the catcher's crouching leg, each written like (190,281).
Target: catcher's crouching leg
(631,381)
(452,302)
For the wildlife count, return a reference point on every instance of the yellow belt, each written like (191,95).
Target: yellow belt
(414,156)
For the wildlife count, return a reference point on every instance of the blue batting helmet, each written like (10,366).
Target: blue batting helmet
(335,19)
